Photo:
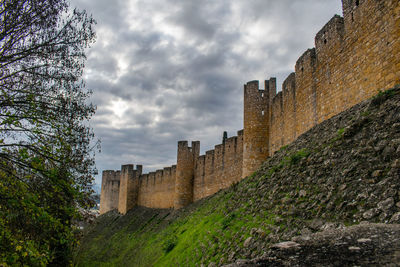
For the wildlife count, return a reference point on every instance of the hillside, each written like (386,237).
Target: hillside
(343,171)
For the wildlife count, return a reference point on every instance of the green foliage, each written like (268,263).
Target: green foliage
(340,132)
(339,135)
(283,148)
(46,159)
(227,221)
(365,113)
(383,95)
(170,243)
(296,157)
(291,159)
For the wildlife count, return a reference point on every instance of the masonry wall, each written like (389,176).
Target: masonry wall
(109,191)
(218,168)
(289,109)
(256,114)
(276,138)
(354,57)
(156,189)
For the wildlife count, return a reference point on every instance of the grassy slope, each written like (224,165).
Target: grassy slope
(334,174)
(183,238)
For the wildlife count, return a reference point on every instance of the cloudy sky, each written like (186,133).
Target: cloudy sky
(170,70)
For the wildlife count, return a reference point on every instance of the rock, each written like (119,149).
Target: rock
(360,245)
(364,240)
(369,214)
(328,226)
(386,204)
(388,152)
(396,163)
(377,173)
(302,193)
(261,233)
(231,256)
(316,224)
(390,192)
(354,248)
(286,245)
(301,238)
(395,218)
(305,231)
(247,242)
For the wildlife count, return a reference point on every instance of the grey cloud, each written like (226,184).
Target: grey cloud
(190,89)
(200,19)
(105,12)
(103,64)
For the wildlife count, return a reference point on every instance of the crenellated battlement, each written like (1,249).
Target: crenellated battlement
(354,57)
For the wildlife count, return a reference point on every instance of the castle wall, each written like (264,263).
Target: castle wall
(306,114)
(128,191)
(372,32)
(329,91)
(109,196)
(276,130)
(156,189)
(186,160)
(218,168)
(199,183)
(289,109)
(354,57)
(233,159)
(209,174)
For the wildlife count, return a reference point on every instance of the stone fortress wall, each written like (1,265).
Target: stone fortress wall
(354,57)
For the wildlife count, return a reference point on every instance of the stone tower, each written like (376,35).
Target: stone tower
(109,191)
(129,187)
(256,124)
(186,162)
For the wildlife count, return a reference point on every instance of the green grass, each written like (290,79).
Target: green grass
(204,236)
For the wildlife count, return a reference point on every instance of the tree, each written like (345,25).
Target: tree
(46,151)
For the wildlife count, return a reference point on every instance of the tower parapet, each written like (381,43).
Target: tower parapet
(186,160)
(129,187)
(256,124)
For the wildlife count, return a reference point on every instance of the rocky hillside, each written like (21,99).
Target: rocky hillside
(343,172)
(366,244)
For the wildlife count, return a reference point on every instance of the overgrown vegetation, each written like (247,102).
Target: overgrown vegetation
(46,159)
(208,230)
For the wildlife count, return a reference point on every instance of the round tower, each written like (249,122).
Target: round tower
(256,124)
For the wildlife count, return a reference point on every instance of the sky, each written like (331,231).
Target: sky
(162,71)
